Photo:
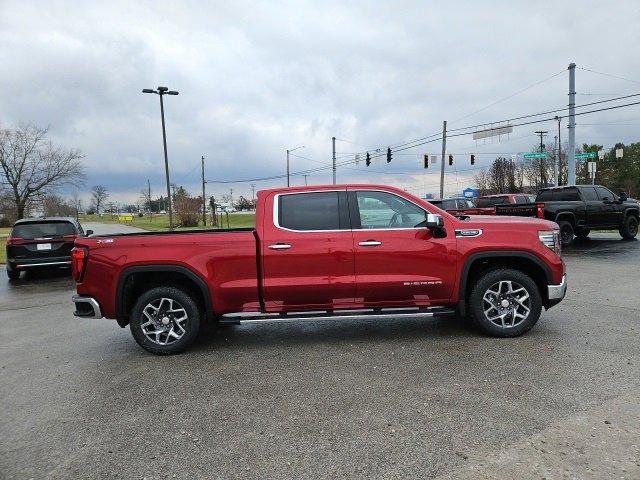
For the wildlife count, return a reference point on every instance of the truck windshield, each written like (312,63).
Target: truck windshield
(33,230)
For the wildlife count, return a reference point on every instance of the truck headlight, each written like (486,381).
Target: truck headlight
(551,238)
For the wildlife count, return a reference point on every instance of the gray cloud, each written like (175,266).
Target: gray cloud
(256,78)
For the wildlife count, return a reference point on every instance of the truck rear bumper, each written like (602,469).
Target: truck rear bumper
(87,307)
(556,293)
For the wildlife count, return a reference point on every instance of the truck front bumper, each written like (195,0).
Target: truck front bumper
(555,293)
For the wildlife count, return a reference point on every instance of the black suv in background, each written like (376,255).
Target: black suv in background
(579,209)
(41,243)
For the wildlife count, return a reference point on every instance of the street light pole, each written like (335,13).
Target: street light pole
(161,91)
(288,152)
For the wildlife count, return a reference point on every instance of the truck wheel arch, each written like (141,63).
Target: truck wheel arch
(479,262)
(193,282)
(567,216)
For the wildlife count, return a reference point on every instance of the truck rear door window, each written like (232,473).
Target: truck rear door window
(522,199)
(491,201)
(567,195)
(309,211)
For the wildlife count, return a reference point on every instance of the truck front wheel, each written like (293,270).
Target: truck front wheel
(165,320)
(629,228)
(505,303)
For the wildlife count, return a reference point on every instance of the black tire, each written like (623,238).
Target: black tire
(583,233)
(477,304)
(566,233)
(13,274)
(191,325)
(629,228)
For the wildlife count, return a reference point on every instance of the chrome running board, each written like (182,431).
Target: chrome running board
(317,315)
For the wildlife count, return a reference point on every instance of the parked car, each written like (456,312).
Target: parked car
(36,243)
(582,208)
(323,252)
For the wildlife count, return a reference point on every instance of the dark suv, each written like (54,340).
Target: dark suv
(41,243)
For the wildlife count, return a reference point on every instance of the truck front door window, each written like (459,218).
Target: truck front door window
(381,210)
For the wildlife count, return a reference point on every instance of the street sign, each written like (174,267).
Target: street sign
(534,155)
(619,152)
(601,154)
(586,155)
(492,132)
(591,166)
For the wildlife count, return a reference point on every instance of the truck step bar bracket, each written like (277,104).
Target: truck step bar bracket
(317,315)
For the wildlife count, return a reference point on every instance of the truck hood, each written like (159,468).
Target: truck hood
(482,221)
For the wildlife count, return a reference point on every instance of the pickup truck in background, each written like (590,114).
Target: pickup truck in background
(323,252)
(579,209)
(486,204)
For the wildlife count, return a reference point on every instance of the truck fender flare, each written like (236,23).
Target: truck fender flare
(127,272)
(562,215)
(630,211)
(495,254)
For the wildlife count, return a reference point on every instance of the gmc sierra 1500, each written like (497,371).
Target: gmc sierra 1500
(323,252)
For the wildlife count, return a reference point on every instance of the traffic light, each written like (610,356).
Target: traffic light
(450,159)
(426,160)
(473,159)
(368,161)
(388,154)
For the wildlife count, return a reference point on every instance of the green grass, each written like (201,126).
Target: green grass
(3,250)
(159,222)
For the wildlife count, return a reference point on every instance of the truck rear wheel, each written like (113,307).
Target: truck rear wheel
(629,228)
(505,303)
(566,233)
(165,320)
(583,233)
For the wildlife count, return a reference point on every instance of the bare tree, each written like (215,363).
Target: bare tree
(33,166)
(99,195)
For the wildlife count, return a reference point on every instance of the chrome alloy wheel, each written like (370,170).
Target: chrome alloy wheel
(506,304)
(165,321)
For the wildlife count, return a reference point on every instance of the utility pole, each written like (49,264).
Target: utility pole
(571,159)
(149,194)
(559,160)
(444,153)
(253,194)
(543,175)
(305,179)
(555,160)
(288,184)
(333,143)
(204,198)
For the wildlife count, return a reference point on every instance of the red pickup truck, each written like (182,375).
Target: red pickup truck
(323,252)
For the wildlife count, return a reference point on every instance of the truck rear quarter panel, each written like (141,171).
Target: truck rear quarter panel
(225,261)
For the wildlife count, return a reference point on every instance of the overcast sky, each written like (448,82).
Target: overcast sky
(256,78)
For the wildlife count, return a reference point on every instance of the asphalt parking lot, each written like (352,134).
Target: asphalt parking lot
(358,399)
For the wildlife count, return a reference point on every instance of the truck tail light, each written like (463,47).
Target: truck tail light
(551,238)
(540,210)
(78,262)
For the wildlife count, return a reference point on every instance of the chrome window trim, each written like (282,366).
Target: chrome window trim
(276,206)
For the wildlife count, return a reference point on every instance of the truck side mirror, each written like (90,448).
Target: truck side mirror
(623,196)
(434,221)
(88,233)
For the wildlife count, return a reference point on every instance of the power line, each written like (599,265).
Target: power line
(609,75)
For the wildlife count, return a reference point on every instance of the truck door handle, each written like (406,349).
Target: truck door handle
(279,246)
(370,243)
